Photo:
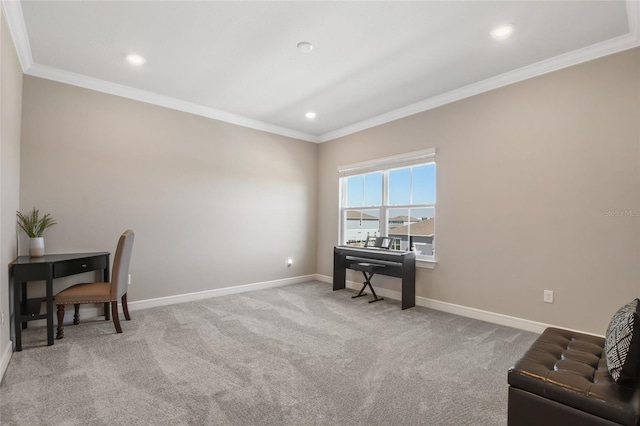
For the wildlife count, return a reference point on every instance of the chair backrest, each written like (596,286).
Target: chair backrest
(120,273)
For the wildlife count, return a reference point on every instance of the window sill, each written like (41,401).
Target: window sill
(426,263)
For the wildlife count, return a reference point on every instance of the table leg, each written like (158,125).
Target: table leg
(107,305)
(17,312)
(339,271)
(50,307)
(23,290)
(408,282)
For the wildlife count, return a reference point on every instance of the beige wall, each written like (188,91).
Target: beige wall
(10,113)
(525,176)
(213,205)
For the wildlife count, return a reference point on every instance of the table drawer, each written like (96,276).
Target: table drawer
(30,272)
(78,266)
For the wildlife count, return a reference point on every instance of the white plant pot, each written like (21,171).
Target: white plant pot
(36,247)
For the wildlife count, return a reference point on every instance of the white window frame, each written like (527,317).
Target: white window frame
(384,165)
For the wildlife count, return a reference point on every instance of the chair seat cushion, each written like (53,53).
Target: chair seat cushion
(85,293)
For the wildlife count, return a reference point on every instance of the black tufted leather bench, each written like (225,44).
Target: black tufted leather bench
(563,380)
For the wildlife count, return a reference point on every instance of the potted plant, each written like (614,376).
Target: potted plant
(34,225)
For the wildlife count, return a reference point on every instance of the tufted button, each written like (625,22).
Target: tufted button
(576,367)
(582,357)
(570,368)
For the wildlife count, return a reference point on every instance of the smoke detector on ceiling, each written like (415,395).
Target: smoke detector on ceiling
(305,47)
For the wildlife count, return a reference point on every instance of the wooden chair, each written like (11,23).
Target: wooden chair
(101,292)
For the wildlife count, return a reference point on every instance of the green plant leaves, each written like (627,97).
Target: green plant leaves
(32,224)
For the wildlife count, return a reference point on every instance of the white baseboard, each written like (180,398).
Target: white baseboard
(479,314)
(92,311)
(189,297)
(465,311)
(87,311)
(4,360)
(492,317)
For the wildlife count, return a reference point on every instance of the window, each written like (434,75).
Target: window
(392,197)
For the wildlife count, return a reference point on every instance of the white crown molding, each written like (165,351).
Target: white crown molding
(15,21)
(17,29)
(74,79)
(618,44)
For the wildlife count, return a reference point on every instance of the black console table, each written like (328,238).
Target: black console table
(399,264)
(47,268)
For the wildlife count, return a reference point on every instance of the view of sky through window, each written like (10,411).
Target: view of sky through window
(409,185)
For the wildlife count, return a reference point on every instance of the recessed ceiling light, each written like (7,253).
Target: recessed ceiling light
(310,115)
(305,46)
(502,31)
(136,59)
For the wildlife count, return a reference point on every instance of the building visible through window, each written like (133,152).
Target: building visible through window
(394,197)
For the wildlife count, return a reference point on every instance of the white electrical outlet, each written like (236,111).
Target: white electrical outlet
(548,296)
(129,280)
(289,262)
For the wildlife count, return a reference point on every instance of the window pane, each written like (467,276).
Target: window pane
(355,191)
(373,189)
(414,229)
(397,227)
(400,186)
(424,184)
(361,224)
(409,207)
(421,233)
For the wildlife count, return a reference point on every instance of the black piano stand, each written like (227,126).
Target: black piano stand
(371,269)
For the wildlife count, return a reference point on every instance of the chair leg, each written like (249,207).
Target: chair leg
(114,314)
(60,331)
(107,311)
(125,308)
(76,314)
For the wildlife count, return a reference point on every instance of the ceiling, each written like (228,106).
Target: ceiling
(372,62)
